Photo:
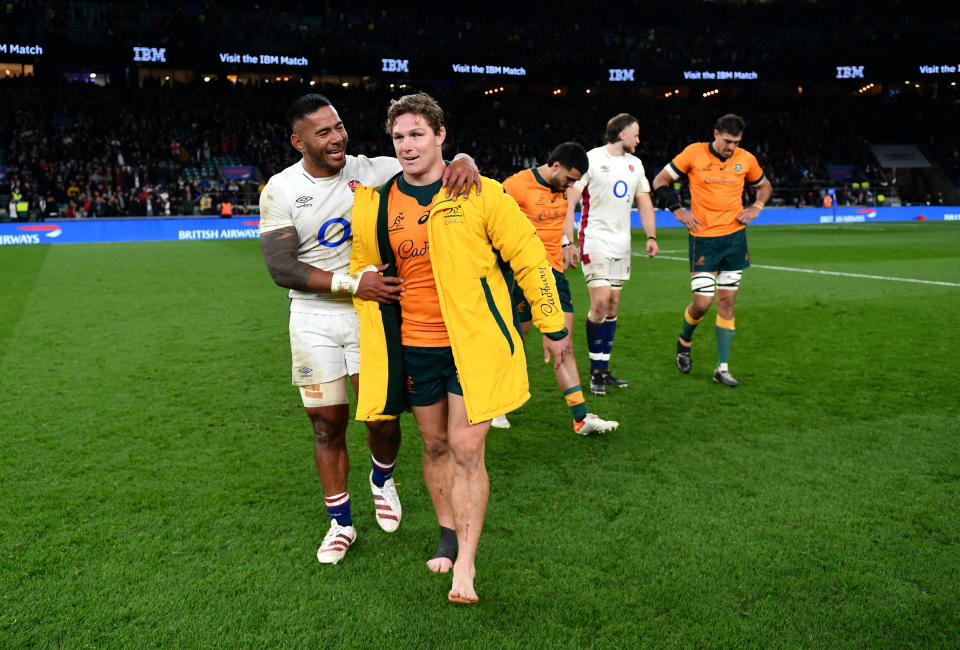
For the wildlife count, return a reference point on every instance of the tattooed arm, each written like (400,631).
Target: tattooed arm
(280,253)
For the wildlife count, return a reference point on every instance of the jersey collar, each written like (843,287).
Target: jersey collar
(424,194)
(537,177)
(714,152)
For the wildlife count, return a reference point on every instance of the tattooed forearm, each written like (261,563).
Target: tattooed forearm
(280,253)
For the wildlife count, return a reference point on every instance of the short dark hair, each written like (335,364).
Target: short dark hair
(730,123)
(304,106)
(615,125)
(420,104)
(571,155)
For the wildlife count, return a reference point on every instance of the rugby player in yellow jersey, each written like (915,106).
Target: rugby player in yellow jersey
(448,350)
(717,172)
(541,193)
(305,234)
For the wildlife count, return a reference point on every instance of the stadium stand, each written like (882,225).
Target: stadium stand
(145,144)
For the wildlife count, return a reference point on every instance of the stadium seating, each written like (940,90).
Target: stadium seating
(117,139)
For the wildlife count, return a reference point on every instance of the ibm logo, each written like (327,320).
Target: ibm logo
(396,65)
(849,72)
(149,54)
(621,74)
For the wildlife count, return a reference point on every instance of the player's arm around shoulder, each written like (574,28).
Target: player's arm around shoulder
(462,175)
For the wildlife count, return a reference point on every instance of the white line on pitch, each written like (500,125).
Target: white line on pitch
(820,272)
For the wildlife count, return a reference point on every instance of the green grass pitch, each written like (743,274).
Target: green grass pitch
(158,488)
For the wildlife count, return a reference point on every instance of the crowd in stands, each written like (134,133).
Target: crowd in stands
(122,149)
(117,150)
(97,151)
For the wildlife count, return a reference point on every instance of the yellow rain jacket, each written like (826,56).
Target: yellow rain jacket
(471,240)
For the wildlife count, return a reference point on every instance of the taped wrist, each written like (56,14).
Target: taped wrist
(666,198)
(348,282)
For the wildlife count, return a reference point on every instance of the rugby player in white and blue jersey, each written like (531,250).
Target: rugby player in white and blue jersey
(608,190)
(306,237)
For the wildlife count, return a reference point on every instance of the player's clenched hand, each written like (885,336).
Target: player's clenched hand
(385,289)
(571,255)
(461,174)
(748,215)
(686,218)
(652,249)
(559,350)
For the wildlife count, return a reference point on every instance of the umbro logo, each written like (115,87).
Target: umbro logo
(304,201)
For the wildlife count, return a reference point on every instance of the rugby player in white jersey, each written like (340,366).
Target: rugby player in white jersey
(306,236)
(614,180)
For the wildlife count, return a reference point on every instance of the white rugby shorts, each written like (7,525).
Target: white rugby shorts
(324,347)
(603,271)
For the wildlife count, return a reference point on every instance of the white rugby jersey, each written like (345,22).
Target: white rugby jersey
(609,188)
(321,209)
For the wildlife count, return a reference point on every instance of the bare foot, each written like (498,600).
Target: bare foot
(439,564)
(462,598)
(462,590)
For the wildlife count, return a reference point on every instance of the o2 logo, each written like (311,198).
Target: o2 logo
(620,189)
(344,234)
